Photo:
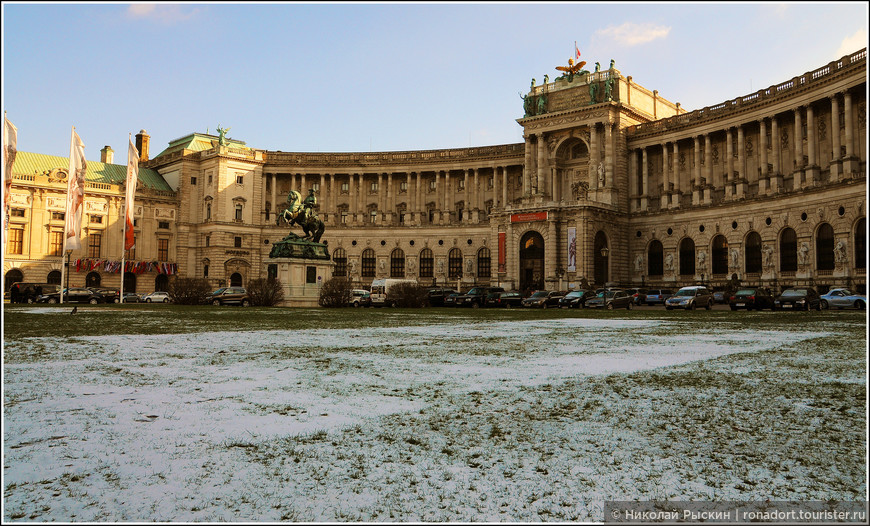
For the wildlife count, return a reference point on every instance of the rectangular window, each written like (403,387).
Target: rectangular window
(310,275)
(315,187)
(94,241)
(374,188)
(237,242)
(240,179)
(489,182)
(461,185)
(55,243)
(403,186)
(374,216)
(98,220)
(163,224)
(238,212)
(162,250)
(193,181)
(345,188)
(208,241)
(15,244)
(205,271)
(432,184)
(343,217)
(272,271)
(17,212)
(401,217)
(58,216)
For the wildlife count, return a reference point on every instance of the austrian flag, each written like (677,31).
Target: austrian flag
(75,197)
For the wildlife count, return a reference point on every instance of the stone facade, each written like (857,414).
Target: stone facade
(769,187)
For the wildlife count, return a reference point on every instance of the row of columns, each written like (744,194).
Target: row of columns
(736,177)
(358,201)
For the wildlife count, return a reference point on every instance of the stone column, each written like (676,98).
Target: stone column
(448,197)
(776,148)
(633,194)
(835,139)
(676,176)
(527,167)
(729,164)
(438,200)
(418,201)
(608,155)
(741,162)
(477,192)
(798,149)
(379,202)
(593,157)
(764,182)
(351,198)
(542,177)
(274,195)
(644,198)
(322,198)
(391,200)
(333,199)
(467,205)
(813,171)
(666,184)
(696,170)
(708,169)
(302,189)
(504,186)
(847,115)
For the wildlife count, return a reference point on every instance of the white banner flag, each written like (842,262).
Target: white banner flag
(132,181)
(75,196)
(10,149)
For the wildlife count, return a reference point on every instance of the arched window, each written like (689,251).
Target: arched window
(719,255)
(484,262)
(368,263)
(235,279)
(238,212)
(13,276)
(340,259)
(860,243)
(161,283)
(753,253)
(427,263)
(129,282)
(454,264)
(397,263)
(825,247)
(655,258)
(53,277)
(788,250)
(93,279)
(687,257)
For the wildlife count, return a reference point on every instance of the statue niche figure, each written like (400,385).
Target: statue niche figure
(301,212)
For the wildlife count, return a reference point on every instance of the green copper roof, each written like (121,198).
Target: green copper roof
(198,142)
(27,163)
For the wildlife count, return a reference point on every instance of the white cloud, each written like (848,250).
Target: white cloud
(631,34)
(165,13)
(852,43)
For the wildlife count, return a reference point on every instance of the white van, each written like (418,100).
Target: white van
(381,287)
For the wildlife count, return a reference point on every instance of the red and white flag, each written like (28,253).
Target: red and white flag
(10,150)
(132,181)
(576,50)
(75,193)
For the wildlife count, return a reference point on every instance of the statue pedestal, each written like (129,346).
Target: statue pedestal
(301,266)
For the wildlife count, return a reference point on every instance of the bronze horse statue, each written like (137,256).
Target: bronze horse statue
(299,212)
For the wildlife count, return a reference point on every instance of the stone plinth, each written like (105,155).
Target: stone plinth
(301,266)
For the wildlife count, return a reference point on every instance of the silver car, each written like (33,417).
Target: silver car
(690,298)
(843,299)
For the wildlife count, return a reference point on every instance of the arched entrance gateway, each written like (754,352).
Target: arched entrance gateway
(531,261)
(601,271)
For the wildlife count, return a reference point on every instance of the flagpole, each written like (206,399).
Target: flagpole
(64,255)
(124,235)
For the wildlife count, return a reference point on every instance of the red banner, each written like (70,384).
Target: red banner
(502,252)
(529,216)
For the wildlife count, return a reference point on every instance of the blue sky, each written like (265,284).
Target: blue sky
(340,77)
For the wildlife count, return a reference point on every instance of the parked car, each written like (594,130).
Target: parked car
(360,298)
(109,295)
(507,300)
(575,299)
(544,299)
(752,298)
(658,296)
(638,296)
(132,297)
(24,292)
(798,298)
(721,297)
(843,299)
(73,295)
(450,299)
(437,296)
(476,297)
(690,298)
(157,297)
(230,296)
(611,299)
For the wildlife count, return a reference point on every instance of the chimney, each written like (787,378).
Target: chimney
(142,139)
(107,155)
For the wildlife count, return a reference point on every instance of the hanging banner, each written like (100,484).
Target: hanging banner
(529,216)
(572,249)
(502,252)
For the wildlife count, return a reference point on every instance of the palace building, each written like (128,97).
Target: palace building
(613,184)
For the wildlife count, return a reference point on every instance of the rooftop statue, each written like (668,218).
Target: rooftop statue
(301,212)
(571,69)
(222,133)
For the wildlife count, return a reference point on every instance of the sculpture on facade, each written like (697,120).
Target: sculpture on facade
(735,258)
(301,212)
(766,254)
(840,252)
(702,260)
(222,135)
(638,263)
(804,254)
(669,262)
(542,104)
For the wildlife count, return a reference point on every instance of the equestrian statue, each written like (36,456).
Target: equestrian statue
(301,212)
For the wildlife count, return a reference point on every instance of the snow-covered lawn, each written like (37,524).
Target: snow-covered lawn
(422,415)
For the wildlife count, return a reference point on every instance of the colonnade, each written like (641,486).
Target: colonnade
(797,136)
